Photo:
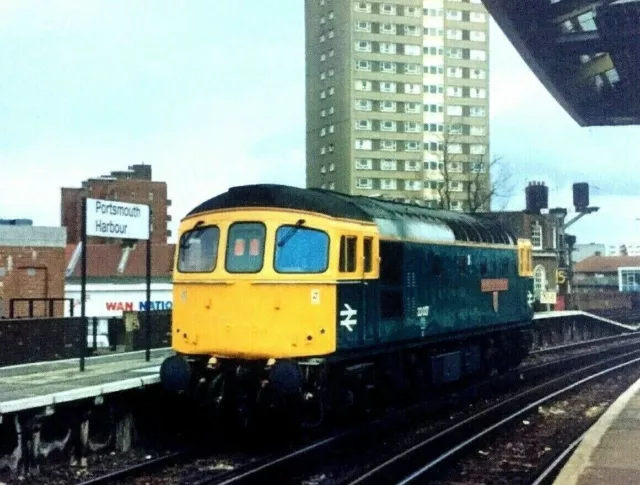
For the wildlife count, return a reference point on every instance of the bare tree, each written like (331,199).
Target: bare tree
(484,183)
(483,192)
(447,165)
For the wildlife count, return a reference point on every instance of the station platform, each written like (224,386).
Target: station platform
(542,316)
(43,384)
(609,453)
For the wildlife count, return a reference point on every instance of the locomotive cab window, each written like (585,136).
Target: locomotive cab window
(245,247)
(301,250)
(198,250)
(348,251)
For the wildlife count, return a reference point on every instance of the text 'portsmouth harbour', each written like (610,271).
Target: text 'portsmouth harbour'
(107,218)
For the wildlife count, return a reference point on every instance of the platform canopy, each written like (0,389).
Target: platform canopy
(585,52)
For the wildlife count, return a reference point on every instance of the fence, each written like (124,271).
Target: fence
(33,340)
(27,340)
(44,307)
(129,332)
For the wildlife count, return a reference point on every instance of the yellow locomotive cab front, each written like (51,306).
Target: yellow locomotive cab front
(254,284)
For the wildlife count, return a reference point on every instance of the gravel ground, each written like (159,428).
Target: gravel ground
(101,464)
(98,464)
(189,472)
(519,453)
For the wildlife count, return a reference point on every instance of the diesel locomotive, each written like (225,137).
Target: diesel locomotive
(312,296)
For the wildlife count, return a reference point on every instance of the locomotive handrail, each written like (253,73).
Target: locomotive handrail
(205,282)
(296,282)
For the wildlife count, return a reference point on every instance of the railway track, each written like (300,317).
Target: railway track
(416,464)
(288,466)
(598,342)
(134,470)
(548,473)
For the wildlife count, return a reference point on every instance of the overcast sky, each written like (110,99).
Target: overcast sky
(211,94)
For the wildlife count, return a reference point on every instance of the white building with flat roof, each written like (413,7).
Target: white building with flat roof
(623,249)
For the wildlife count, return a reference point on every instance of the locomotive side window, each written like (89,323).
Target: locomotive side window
(198,250)
(391,279)
(301,250)
(437,265)
(245,247)
(462,264)
(348,253)
(368,254)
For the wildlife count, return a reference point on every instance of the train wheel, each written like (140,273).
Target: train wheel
(313,409)
(491,356)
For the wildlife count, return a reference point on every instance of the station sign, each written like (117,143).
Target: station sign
(548,297)
(121,220)
(561,276)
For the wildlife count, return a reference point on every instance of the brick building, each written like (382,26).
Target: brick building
(32,265)
(541,230)
(114,263)
(606,282)
(134,185)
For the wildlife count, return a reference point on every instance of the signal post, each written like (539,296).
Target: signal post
(564,274)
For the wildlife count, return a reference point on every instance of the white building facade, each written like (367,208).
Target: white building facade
(623,249)
(111,300)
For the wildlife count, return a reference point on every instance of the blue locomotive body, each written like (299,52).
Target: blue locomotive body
(433,291)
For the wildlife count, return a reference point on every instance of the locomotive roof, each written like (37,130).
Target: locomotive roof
(392,218)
